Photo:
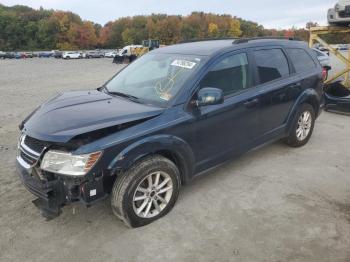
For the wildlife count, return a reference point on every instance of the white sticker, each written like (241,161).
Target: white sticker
(183,64)
(93,192)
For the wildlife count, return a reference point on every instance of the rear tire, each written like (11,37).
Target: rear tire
(146,192)
(302,127)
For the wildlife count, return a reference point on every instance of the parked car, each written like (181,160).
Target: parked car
(28,54)
(71,55)
(19,55)
(2,55)
(45,54)
(324,60)
(111,54)
(94,54)
(340,14)
(168,117)
(9,55)
(57,54)
(343,47)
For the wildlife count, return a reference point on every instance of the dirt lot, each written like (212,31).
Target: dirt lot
(273,204)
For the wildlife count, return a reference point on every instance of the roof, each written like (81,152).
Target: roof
(211,47)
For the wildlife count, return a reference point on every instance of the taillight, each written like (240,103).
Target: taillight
(324,74)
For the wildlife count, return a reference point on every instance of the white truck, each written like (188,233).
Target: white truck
(340,14)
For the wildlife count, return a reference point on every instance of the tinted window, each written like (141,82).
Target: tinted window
(301,60)
(272,64)
(230,75)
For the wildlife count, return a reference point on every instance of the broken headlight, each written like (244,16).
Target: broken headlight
(67,164)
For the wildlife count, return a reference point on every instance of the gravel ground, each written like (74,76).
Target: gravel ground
(273,204)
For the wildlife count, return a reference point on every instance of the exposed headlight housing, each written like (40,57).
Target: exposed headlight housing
(67,164)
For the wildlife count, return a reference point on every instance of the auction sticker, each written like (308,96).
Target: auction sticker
(183,64)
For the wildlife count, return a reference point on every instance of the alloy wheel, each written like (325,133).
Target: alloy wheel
(304,125)
(153,194)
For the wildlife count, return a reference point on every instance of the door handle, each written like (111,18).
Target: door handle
(295,85)
(251,103)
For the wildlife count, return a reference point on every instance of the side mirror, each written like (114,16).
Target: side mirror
(209,96)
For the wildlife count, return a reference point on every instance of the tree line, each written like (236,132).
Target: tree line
(24,28)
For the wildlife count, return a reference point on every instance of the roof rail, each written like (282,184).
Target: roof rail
(206,39)
(246,40)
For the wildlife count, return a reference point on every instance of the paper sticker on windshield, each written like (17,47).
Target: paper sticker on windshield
(183,64)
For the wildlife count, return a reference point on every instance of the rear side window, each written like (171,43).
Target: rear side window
(272,64)
(301,60)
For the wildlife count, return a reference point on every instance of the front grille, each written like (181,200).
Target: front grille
(34,144)
(27,158)
(30,150)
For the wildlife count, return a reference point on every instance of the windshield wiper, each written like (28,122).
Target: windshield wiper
(130,97)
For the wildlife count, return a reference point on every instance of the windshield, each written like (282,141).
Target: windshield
(155,78)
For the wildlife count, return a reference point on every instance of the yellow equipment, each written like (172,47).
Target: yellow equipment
(316,32)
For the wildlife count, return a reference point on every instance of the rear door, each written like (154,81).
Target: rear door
(278,89)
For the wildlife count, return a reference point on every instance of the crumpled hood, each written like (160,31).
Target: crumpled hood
(75,113)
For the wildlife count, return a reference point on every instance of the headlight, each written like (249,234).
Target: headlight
(68,164)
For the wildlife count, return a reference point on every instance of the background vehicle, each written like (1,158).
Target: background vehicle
(343,47)
(2,54)
(340,14)
(94,54)
(9,55)
(45,54)
(324,59)
(111,54)
(71,55)
(131,52)
(57,54)
(28,54)
(166,118)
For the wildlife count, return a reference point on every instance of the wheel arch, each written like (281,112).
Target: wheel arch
(309,96)
(168,146)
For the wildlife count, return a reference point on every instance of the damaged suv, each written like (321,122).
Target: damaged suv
(166,118)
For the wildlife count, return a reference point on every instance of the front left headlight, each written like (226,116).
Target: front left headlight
(67,164)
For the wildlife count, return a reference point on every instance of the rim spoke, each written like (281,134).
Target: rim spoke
(139,210)
(156,182)
(148,208)
(299,132)
(140,198)
(155,203)
(165,189)
(141,189)
(162,200)
(304,134)
(150,182)
(163,183)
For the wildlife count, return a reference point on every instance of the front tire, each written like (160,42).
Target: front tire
(302,127)
(146,192)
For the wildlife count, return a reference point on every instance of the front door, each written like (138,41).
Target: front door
(230,128)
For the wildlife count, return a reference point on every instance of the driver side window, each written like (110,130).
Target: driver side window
(231,75)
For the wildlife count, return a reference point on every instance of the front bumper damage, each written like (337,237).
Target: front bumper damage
(51,195)
(54,191)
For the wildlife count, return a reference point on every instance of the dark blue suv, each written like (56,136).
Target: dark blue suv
(166,118)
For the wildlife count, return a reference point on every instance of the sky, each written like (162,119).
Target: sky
(280,14)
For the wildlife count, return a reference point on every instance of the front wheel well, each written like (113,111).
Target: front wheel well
(176,160)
